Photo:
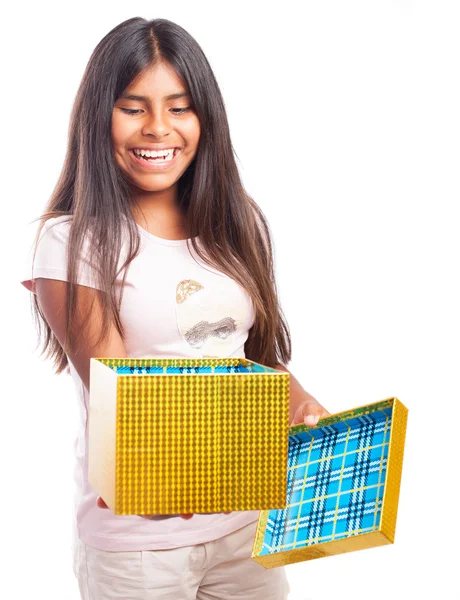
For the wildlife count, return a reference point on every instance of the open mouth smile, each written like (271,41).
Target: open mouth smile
(154,163)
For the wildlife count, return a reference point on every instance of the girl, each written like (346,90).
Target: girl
(150,246)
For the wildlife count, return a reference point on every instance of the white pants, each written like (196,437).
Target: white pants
(219,569)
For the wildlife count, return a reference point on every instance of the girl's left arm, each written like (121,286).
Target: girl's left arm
(302,406)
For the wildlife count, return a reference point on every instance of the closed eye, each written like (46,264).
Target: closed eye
(131,111)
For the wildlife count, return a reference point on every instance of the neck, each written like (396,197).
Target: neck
(159,213)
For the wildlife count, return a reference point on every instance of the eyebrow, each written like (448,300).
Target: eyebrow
(145,99)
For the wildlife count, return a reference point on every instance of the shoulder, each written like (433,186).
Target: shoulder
(56,227)
(54,236)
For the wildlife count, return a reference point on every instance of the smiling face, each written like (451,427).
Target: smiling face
(153,113)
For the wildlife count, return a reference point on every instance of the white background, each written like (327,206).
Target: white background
(345,120)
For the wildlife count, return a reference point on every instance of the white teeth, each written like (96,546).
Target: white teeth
(168,153)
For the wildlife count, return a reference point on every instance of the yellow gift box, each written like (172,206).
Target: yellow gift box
(344,478)
(188,435)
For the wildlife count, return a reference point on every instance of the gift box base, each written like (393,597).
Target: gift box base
(170,436)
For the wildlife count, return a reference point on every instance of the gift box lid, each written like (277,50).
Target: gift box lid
(343,486)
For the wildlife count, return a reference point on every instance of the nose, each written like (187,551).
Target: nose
(156,124)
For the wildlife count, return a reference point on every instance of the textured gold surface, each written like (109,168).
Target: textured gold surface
(201,443)
(394,470)
(288,557)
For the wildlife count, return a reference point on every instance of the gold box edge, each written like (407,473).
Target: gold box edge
(396,448)
(363,541)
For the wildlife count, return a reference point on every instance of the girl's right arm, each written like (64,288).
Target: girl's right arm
(51,295)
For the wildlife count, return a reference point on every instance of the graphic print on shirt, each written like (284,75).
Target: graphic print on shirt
(207,317)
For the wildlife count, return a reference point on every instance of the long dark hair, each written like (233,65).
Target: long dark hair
(94,192)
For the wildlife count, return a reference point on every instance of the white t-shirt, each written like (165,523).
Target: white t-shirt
(171,307)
